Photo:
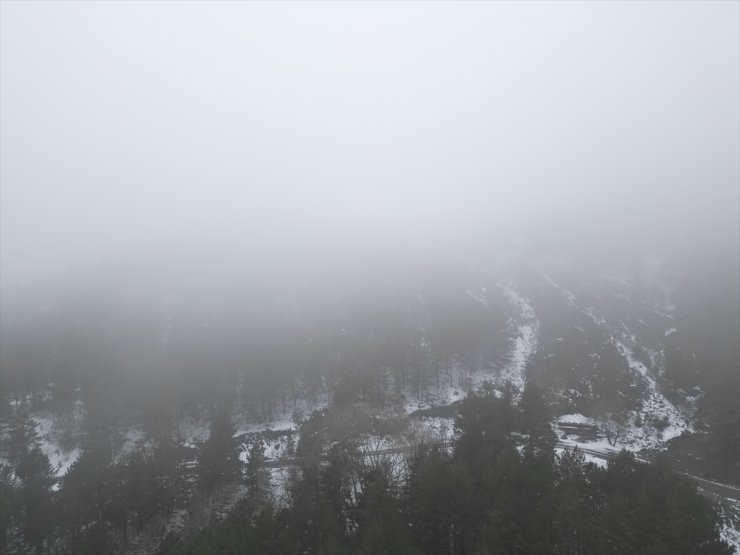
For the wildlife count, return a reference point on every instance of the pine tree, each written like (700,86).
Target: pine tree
(429,490)
(256,473)
(37,478)
(218,460)
(22,436)
(534,420)
(9,507)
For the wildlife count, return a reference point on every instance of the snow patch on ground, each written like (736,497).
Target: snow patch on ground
(60,459)
(576,419)
(731,535)
(279,423)
(598,461)
(524,347)
(131,439)
(437,428)
(453,385)
(274,448)
(730,527)
(458,382)
(525,344)
(298,410)
(192,431)
(656,407)
(599,444)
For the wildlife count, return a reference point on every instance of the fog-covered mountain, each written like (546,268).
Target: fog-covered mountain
(642,359)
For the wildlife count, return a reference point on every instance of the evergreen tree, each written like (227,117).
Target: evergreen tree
(257,475)
(22,435)
(381,526)
(37,478)
(8,507)
(535,420)
(218,459)
(429,490)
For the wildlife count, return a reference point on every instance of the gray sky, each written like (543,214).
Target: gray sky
(128,125)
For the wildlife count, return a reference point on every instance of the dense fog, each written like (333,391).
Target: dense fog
(130,128)
(369,277)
